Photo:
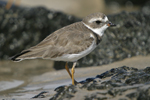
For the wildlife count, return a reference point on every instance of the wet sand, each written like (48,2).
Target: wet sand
(48,81)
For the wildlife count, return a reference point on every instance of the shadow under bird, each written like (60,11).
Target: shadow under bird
(70,43)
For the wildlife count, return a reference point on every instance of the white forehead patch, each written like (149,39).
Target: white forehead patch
(95,19)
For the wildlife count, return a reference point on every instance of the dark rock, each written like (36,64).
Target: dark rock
(61,92)
(121,83)
(21,28)
(41,95)
(125,2)
(146,8)
(129,38)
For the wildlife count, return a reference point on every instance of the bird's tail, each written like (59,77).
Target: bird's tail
(17,56)
(28,54)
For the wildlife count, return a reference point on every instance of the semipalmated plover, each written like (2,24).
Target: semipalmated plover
(70,43)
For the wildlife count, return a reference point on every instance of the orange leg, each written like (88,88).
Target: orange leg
(73,71)
(66,66)
(73,80)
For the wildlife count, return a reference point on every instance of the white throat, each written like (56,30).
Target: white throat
(98,31)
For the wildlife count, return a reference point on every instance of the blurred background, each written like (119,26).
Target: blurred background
(81,8)
(24,23)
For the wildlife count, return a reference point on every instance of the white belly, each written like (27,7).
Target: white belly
(75,57)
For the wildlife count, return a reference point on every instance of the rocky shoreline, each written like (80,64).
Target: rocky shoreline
(122,83)
(20,26)
(106,82)
(25,27)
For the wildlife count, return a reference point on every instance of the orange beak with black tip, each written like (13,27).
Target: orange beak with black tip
(110,24)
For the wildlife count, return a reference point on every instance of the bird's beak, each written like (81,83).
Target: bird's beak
(110,24)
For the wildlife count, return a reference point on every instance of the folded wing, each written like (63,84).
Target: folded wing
(57,44)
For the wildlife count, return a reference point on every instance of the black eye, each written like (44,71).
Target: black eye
(98,22)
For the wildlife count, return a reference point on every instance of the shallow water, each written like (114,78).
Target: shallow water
(6,85)
(15,75)
(27,86)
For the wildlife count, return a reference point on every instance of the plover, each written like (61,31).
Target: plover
(70,43)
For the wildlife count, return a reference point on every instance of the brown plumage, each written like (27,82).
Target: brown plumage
(61,42)
(70,43)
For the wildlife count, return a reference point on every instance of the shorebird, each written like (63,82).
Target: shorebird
(70,43)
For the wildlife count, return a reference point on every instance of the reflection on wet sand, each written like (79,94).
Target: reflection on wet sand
(14,75)
(48,81)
